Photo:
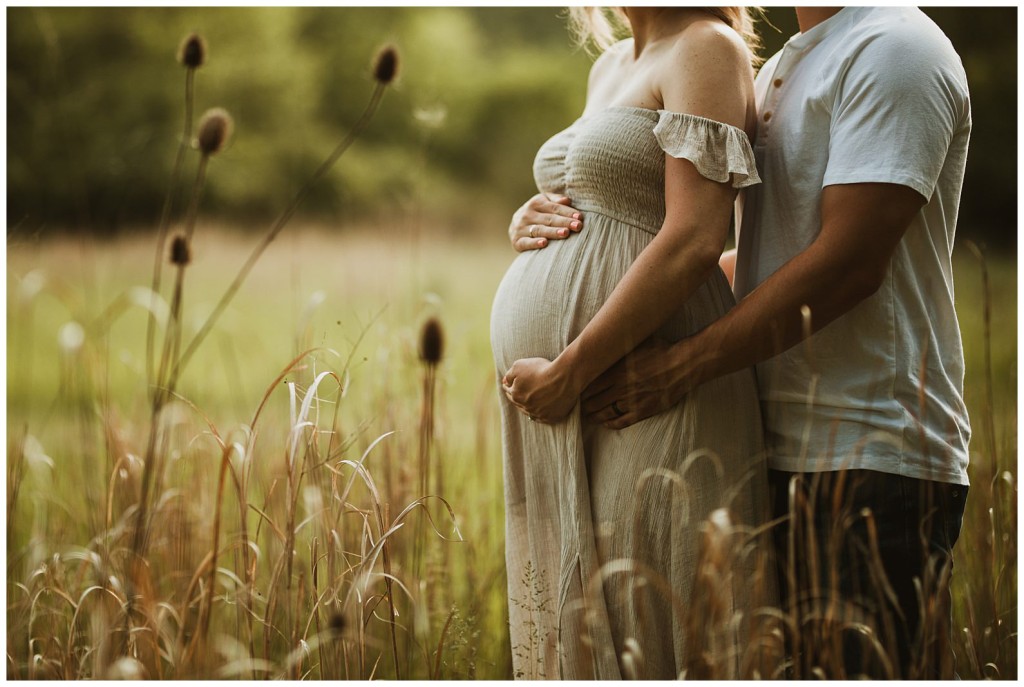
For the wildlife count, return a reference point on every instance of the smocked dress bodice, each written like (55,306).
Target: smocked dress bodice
(612,161)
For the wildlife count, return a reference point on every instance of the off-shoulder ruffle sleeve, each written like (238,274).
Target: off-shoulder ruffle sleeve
(720,152)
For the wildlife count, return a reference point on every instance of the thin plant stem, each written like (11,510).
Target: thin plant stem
(275,229)
(990,425)
(165,215)
(161,394)
(386,550)
(164,390)
(207,609)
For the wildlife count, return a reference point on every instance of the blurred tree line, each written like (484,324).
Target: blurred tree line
(95,106)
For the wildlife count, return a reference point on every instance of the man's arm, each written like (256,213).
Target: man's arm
(861,226)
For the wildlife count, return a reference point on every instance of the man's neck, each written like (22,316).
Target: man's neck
(809,17)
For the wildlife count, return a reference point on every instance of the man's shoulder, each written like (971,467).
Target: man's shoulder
(899,35)
(899,50)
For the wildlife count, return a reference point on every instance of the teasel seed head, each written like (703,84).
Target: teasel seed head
(336,622)
(214,130)
(431,342)
(192,51)
(385,65)
(180,252)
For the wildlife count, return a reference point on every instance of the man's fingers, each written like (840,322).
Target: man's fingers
(601,415)
(631,416)
(626,420)
(595,404)
(596,397)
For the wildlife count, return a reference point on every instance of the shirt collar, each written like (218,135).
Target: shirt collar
(837,22)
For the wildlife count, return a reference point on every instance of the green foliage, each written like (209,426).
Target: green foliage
(987,42)
(95,108)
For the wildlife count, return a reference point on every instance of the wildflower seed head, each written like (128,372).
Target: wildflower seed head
(385,65)
(192,51)
(431,342)
(214,130)
(180,252)
(336,622)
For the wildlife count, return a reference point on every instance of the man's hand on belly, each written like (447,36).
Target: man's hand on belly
(642,384)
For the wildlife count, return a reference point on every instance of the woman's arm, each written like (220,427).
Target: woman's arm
(682,255)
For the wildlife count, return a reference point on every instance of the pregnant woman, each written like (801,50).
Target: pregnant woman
(604,527)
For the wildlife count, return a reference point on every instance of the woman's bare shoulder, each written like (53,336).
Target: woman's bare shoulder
(707,71)
(708,43)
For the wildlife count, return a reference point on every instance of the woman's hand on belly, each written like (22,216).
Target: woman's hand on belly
(539,389)
(545,217)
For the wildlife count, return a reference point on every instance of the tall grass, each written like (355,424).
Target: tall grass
(268,444)
(274,532)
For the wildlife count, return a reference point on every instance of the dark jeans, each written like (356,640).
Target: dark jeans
(864,562)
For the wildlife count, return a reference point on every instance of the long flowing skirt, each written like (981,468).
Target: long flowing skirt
(629,553)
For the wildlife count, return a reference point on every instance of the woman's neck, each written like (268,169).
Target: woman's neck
(648,24)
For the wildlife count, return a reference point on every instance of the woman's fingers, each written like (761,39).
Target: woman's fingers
(542,219)
(525,243)
(546,228)
(554,226)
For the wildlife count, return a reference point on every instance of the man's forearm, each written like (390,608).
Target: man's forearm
(861,226)
(773,317)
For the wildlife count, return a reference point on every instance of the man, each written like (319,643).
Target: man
(845,303)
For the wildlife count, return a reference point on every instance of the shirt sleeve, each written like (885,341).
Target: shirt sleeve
(896,110)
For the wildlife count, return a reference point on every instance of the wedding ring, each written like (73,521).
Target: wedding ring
(530,418)
(533,231)
(619,412)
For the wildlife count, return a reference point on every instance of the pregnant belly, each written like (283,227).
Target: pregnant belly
(549,295)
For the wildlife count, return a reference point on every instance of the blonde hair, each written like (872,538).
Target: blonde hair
(602,26)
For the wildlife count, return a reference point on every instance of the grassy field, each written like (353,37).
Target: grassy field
(292,538)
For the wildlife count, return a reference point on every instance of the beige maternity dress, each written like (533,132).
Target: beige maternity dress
(604,527)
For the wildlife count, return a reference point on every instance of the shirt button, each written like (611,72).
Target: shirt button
(777,83)
(767,116)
